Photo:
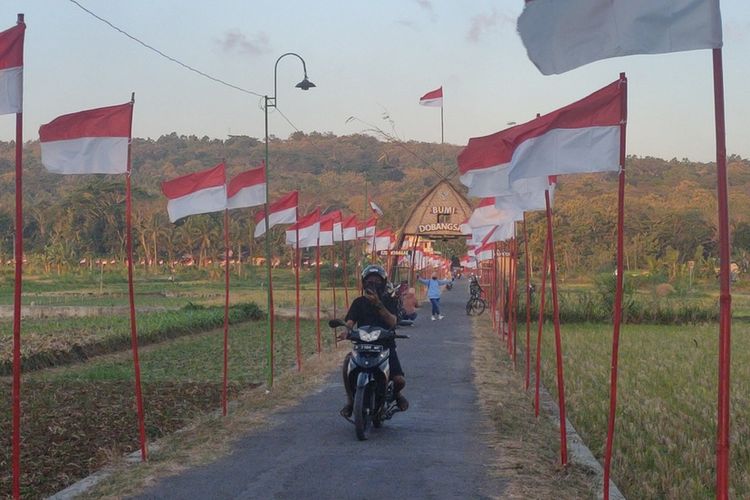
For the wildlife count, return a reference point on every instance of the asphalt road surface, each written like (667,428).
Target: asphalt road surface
(434,450)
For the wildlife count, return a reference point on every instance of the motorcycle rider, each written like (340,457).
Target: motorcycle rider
(375,308)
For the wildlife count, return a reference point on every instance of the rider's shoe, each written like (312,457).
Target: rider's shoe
(402,402)
(347,410)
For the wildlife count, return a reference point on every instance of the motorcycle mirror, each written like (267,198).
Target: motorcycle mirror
(335,323)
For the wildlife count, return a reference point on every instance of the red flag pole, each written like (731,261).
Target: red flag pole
(558,339)
(317,292)
(725,314)
(512,298)
(528,302)
(131,294)
(501,292)
(542,293)
(617,319)
(297,264)
(333,277)
(226,313)
(346,277)
(16,396)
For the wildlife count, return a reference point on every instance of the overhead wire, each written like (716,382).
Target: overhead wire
(162,54)
(390,138)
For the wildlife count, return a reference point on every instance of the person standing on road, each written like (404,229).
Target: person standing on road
(433,293)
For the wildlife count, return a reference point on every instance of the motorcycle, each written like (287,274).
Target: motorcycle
(369,376)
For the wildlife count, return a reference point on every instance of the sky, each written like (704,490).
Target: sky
(369,60)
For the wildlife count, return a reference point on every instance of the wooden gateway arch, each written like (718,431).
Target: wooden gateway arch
(436,216)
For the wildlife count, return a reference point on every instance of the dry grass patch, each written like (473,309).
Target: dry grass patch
(527,449)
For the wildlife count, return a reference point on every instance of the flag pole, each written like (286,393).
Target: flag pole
(528,302)
(16,396)
(333,277)
(512,296)
(558,339)
(725,301)
(131,294)
(226,313)
(617,319)
(346,277)
(297,263)
(542,293)
(317,291)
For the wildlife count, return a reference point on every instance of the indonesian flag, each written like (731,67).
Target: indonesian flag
(501,232)
(468,262)
(11,69)
(530,195)
(308,227)
(349,228)
(282,211)
(486,214)
(376,209)
(484,252)
(433,98)
(197,193)
(583,137)
(366,229)
(383,241)
(247,189)
(94,141)
(328,223)
(561,35)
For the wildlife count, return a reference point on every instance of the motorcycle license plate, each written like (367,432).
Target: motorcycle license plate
(368,347)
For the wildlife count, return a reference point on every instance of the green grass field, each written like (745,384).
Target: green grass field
(78,418)
(667,394)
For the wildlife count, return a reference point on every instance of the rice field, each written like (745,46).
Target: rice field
(667,394)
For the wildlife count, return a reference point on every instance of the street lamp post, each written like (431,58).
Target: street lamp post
(305,84)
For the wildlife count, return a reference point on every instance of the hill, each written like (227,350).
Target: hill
(670,211)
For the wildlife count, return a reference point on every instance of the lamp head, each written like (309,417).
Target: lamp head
(305,84)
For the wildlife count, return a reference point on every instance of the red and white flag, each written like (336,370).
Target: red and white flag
(487,215)
(349,228)
(197,193)
(308,228)
(328,228)
(433,98)
(247,189)
(366,229)
(501,232)
(94,141)
(383,241)
(527,195)
(583,137)
(561,35)
(484,252)
(376,209)
(11,69)
(282,211)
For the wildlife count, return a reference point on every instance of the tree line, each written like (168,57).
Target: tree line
(670,204)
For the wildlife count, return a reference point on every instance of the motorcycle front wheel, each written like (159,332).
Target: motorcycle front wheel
(364,401)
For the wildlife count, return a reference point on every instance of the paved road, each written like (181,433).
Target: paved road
(434,450)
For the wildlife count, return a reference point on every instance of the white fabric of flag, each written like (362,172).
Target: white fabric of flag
(561,35)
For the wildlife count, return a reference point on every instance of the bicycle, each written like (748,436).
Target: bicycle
(476,304)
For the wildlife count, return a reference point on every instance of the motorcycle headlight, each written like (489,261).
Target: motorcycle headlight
(369,336)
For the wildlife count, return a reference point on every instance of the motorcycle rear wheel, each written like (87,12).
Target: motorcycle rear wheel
(363,408)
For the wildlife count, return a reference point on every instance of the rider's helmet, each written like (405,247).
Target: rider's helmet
(376,270)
